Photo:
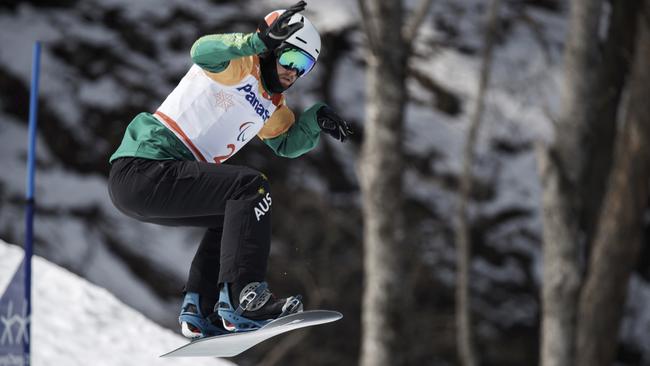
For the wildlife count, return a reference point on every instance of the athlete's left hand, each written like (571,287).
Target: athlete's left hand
(333,124)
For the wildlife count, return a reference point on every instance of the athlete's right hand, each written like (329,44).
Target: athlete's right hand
(273,35)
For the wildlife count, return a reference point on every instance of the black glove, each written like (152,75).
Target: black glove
(273,35)
(333,124)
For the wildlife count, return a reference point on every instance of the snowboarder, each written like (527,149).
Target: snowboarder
(168,168)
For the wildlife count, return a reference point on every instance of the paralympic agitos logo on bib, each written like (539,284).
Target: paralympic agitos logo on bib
(251,97)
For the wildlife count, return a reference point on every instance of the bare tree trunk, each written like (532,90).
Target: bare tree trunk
(464,341)
(618,50)
(381,183)
(561,167)
(618,235)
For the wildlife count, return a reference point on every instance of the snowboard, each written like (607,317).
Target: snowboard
(230,345)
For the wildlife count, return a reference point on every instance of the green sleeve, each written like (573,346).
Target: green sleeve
(300,138)
(214,52)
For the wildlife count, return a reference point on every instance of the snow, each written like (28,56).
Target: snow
(635,327)
(104,93)
(82,247)
(77,323)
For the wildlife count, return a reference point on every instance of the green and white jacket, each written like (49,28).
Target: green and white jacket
(218,107)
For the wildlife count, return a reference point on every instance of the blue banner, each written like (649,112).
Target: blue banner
(14,320)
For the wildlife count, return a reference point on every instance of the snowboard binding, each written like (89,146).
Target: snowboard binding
(257,307)
(193,324)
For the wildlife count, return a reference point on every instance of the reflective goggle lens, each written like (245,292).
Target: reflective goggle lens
(296,59)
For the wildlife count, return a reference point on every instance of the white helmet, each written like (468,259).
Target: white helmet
(306,38)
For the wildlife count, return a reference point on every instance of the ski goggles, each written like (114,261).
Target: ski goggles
(296,59)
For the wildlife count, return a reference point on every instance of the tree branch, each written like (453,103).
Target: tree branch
(465,344)
(367,23)
(415,21)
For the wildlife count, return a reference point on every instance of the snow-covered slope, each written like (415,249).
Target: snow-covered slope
(77,323)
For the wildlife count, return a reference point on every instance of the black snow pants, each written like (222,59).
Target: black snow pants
(233,203)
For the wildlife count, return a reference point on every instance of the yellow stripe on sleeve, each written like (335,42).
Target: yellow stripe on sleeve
(279,122)
(236,71)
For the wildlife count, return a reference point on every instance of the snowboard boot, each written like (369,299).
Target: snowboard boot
(255,307)
(193,324)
